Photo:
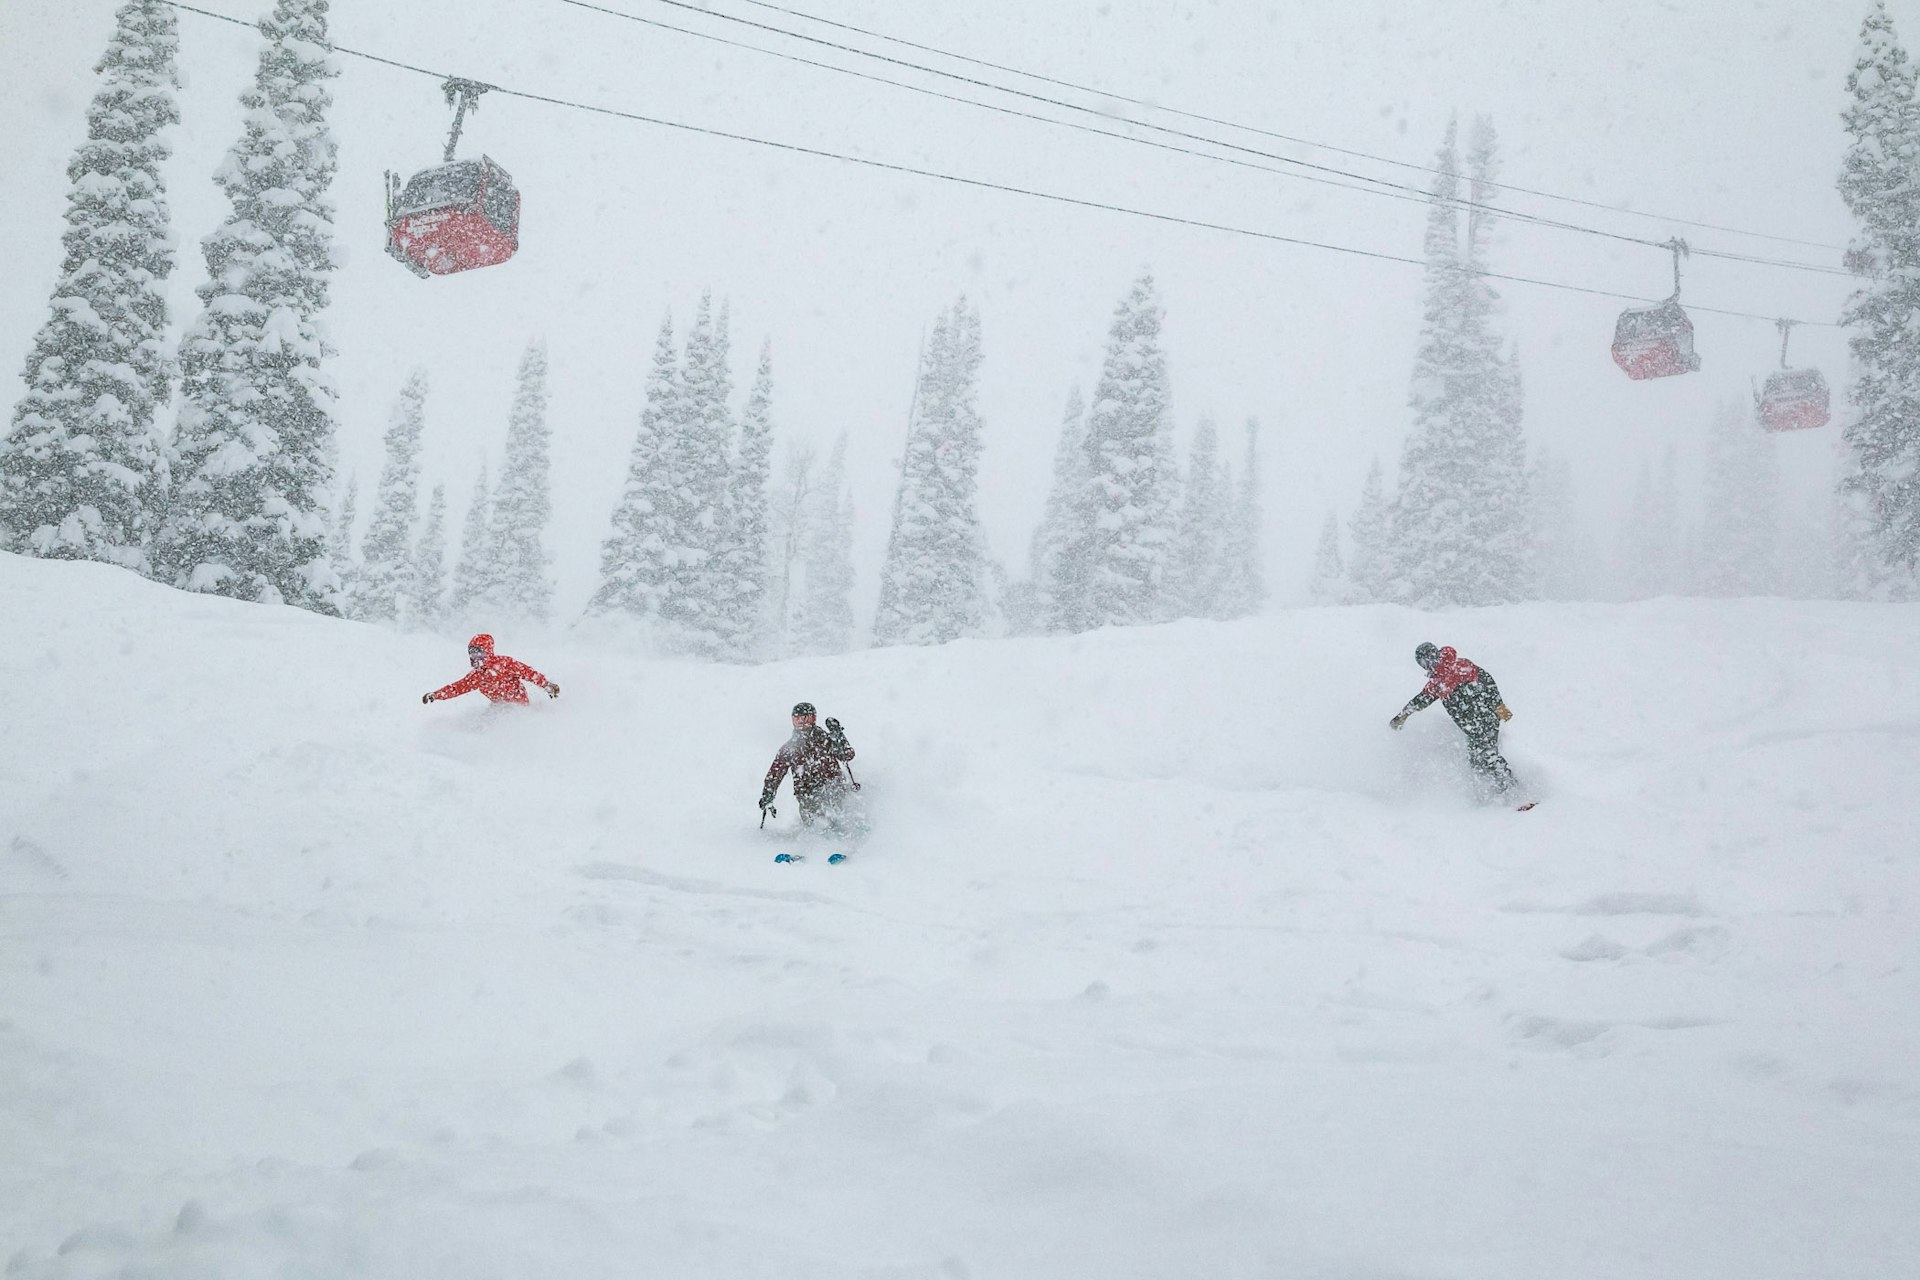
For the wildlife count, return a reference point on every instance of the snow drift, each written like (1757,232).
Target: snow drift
(1166,957)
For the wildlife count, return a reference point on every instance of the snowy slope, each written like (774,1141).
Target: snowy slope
(1166,959)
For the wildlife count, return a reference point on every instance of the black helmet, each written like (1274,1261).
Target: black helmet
(803,709)
(1426,653)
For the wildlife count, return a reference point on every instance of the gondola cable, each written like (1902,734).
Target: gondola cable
(1313,172)
(1280,137)
(985,184)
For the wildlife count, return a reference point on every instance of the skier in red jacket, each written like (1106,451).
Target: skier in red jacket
(494,674)
(1473,700)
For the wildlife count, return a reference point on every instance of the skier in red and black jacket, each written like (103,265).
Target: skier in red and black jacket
(495,675)
(814,756)
(1473,700)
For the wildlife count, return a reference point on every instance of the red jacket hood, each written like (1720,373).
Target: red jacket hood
(482,642)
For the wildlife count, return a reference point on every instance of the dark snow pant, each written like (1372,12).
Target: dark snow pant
(825,808)
(1483,753)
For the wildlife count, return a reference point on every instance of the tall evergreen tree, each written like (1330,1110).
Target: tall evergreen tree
(697,455)
(823,620)
(387,551)
(425,597)
(1460,518)
(1244,588)
(644,553)
(933,582)
(1370,568)
(253,452)
(744,559)
(340,544)
(522,586)
(787,515)
(1057,560)
(1199,551)
(1653,557)
(1561,556)
(1846,573)
(1329,582)
(1880,182)
(473,569)
(83,469)
(1128,532)
(1739,544)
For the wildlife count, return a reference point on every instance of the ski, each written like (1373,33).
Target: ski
(832,858)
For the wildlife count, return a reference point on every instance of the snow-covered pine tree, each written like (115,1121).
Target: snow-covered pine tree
(1739,543)
(1880,182)
(744,559)
(424,601)
(1370,567)
(522,586)
(933,582)
(1057,559)
(1329,582)
(823,620)
(1206,520)
(787,515)
(1460,518)
(253,452)
(83,468)
(340,543)
(1243,591)
(396,506)
(473,569)
(643,553)
(691,494)
(1806,549)
(1652,553)
(1128,534)
(1561,554)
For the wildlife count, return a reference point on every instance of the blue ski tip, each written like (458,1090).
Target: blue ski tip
(836,857)
(788,857)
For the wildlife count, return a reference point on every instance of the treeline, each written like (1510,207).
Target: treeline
(709,554)
(238,495)
(1470,522)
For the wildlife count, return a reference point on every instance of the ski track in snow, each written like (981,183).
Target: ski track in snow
(1163,959)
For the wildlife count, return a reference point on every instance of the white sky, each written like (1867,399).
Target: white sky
(1722,111)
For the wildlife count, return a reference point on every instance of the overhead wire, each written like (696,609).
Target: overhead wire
(1386,186)
(987,184)
(1269,133)
(1376,186)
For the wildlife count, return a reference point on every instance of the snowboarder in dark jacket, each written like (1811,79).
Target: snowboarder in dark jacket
(1473,700)
(813,755)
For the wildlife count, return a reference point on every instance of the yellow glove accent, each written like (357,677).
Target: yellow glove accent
(1502,712)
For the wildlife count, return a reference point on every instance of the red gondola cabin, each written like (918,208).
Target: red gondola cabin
(1794,400)
(1655,342)
(454,217)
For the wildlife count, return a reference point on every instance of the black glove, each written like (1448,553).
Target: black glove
(766,800)
(553,690)
(425,698)
(834,727)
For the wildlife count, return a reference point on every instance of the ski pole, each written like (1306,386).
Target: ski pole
(852,779)
(766,809)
